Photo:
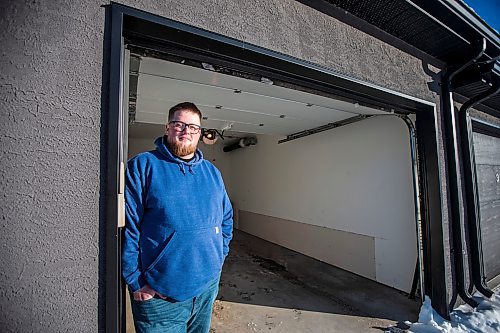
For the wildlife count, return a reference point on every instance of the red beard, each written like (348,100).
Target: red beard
(179,149)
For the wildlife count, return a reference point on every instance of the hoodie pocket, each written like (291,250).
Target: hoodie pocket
(167,245)
(190,259)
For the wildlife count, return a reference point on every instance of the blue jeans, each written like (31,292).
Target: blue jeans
(192,316)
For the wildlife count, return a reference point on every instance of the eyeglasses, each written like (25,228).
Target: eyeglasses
(179,126)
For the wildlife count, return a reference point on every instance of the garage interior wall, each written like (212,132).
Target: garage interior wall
(343,196)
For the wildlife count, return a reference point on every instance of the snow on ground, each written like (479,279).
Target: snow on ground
(483,319)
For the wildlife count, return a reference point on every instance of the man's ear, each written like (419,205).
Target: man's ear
(166,129)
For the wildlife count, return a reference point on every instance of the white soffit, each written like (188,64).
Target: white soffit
(257,107)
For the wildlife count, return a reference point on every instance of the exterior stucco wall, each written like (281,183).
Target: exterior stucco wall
(51,134)
(50,81)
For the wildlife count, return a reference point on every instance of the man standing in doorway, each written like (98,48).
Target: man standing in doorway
(178,228)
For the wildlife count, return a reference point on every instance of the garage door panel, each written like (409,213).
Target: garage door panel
(487,158)
(207,95)
(488,187)
(486,149)
(492,204)
(490,232)
(191,75)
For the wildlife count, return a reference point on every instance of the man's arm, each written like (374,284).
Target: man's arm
(227,223)
(134,210)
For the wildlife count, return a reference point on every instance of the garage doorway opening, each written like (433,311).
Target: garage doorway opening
(161,38)
(317,214)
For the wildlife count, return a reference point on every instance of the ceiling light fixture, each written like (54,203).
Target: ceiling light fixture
(209,135)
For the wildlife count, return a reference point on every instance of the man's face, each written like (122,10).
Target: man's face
(183,143)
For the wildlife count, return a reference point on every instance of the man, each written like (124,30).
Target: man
(178,229)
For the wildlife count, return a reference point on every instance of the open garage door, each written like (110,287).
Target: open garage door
(344,197)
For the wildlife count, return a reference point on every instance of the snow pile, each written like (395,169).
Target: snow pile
(483,319)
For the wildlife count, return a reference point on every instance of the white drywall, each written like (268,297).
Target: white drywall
(355,178)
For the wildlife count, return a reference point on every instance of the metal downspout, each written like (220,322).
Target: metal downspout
(451,139)
(471,194)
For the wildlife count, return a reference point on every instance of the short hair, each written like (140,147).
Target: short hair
(184,106)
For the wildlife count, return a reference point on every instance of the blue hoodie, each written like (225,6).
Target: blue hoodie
(179,223)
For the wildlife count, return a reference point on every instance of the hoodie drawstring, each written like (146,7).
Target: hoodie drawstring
(181,168)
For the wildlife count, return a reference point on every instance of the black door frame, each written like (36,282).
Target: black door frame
(129,25)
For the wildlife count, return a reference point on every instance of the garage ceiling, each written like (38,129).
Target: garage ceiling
(233,103)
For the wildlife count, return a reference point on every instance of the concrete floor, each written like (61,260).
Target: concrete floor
(267,288)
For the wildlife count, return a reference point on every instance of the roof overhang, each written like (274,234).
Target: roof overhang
(446,31)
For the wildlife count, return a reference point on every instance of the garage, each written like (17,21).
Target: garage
(333,180)
(307,174)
